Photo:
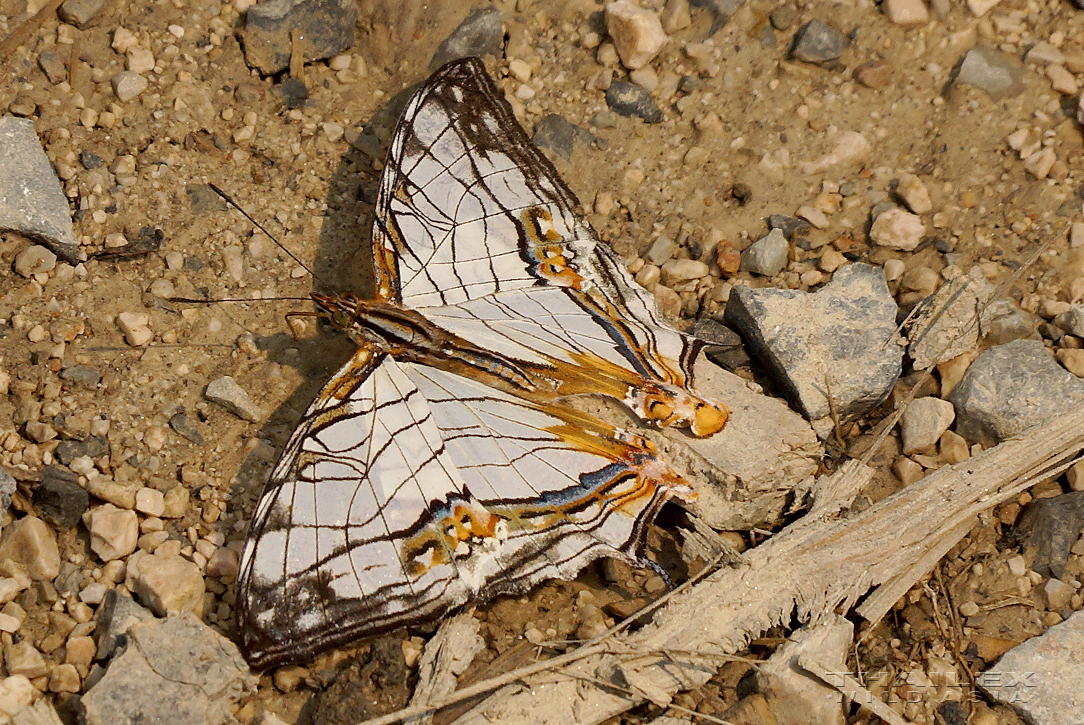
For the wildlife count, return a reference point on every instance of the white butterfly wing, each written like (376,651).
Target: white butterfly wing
(407,490)
(467,204)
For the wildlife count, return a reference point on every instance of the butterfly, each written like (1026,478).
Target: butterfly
(442,463)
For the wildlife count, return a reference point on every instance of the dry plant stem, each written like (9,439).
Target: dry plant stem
(819,564)
(24,31)
(849,687)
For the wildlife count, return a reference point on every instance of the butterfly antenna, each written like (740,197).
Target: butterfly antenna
(262,228)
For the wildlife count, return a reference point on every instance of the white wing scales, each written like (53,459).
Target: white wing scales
(361,536)
(409,489)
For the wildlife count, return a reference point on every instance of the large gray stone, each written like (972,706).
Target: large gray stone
(840,338)
(1041,677)
(1000,75)
(31,200)
(177,670)
(1010,388)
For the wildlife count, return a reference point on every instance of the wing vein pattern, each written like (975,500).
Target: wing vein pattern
(442,463)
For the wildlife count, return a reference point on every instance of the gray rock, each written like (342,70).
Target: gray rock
(1011,388)
(80,13)
(1072,321)
(840,338)
(943,325)
(59,499)
(783,16)
(722,345)
(816,42)
(720,10)
(176,670)
(1041,677)
(789,225)
(180,423)
(226,392)
(480,34)
(31,200)
(327,25)
(1048,528)
(54,67)
(1000,75)
(8,487)
(661,250)
(767,255)
(629,99)
(115,616)
(559,135)
(1004,322)
(83,375)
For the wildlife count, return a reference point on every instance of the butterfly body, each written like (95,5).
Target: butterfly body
(442,463)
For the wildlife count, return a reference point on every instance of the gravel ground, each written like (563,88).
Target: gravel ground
(745,131)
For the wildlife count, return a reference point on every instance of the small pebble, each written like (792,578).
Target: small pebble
(33,260)
(906,12)
(813,215)
(897,229)
(135,327)
(128,84)
(914,194)
(637,33)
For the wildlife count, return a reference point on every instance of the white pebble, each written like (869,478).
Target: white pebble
(897,229)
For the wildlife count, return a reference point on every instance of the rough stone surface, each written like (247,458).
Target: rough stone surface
(177,670)
(795,697)
(31,200)
(897,229)
(31,544)
(923,423)
(59,499)
(943,325)
(327,26)
(632,100)
(113,531)
(767,255)
(914,194)
(7,489)
(1047,530)
(1041,677)
(755,462)
(480,34)
(830,339)
(1000,75)
(817,43)
(559,135)
(116,615)
(226,392)
(127,85)
(637,33)
(169,584)
(1011,388)
(16,693)
(80,13)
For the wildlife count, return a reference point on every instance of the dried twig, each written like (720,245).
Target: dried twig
(24,31)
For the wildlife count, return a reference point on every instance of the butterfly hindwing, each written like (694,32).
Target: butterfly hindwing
(411,491)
